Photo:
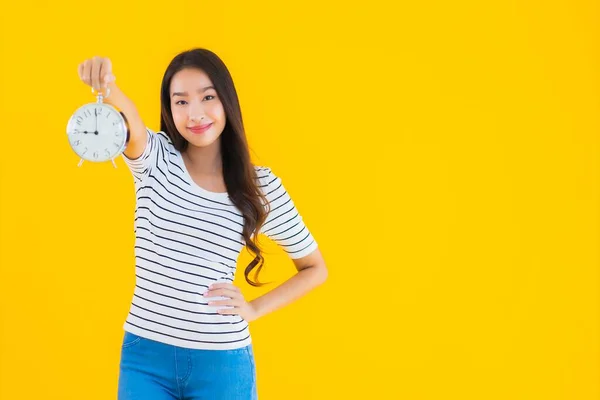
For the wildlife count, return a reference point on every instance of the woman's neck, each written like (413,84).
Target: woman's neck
(205,160)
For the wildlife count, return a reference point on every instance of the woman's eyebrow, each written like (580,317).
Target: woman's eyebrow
(186,93)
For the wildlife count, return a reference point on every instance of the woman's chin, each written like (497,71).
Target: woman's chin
(201,141)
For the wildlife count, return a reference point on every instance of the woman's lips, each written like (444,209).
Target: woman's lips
(201,128)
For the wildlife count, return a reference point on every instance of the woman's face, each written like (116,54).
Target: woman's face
(193,97)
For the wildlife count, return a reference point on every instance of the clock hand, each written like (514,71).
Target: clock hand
(96,114)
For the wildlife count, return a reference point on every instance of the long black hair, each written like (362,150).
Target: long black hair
(239,173)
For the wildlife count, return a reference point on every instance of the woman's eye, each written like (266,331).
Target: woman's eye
(177,103)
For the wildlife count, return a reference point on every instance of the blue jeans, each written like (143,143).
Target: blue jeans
(151,370)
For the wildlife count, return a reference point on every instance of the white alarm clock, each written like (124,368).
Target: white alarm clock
(98,132)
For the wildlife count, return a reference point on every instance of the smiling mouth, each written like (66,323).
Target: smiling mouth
(200,129)
(200,126)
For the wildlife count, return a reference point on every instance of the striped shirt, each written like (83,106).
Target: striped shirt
(187,238)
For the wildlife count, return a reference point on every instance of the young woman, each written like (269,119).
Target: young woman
(199,201)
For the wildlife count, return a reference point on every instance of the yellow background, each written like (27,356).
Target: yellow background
(444,155)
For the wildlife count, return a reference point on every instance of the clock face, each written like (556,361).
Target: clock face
(97,132)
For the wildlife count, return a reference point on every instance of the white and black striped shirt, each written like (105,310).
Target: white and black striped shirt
(187,238)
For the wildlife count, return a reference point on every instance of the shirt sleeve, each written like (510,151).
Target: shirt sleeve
(284,224)
(141,167)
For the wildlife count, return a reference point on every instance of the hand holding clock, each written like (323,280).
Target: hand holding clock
(96,72)
(111,129)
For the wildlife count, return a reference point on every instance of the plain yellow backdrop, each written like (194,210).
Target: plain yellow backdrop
(445,156)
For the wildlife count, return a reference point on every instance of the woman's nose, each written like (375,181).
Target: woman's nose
(195,112)
(196,117)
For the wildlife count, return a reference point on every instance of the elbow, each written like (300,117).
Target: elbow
(322,273)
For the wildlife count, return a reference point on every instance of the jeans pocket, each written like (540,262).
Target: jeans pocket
(130,339)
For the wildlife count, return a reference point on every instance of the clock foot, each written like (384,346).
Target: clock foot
(113,161)
(80,162)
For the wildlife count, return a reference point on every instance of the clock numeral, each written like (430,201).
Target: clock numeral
(107,152)
(79,120)
(95,154)
(117,145)
(85,151)
(87,113)
(117,134)
(116,123)
(77,143)
(108,115)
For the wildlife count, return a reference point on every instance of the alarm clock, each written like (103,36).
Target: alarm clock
(98,132)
